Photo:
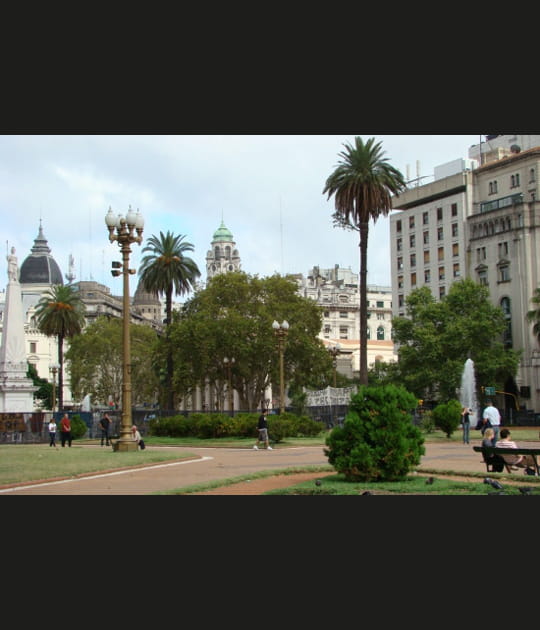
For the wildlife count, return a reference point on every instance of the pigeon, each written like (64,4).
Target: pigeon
(524,490)
(430,480)
(318,482)
(493,483)
(366,492)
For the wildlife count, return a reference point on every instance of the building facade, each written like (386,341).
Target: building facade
(478,219)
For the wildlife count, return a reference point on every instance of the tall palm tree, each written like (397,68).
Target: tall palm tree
(166,269)
(60,313)
(534,315)
(363,184)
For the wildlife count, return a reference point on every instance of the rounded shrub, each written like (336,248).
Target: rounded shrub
(378,440)
(78,427)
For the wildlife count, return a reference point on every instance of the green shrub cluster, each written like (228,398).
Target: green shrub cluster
(447,416)
(78,427)
(378,440)
(217,425)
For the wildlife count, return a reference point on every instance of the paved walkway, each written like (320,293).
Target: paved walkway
(221,463)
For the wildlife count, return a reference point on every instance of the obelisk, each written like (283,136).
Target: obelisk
(16,389)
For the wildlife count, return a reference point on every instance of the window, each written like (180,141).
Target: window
(441,273)
(503,249)
(426,257)
(412,240)
(400,263)
(427,276)
(440,234)
(380,316)
(413,260)
(507,334)
(398,226)
(426,238)
(514,181)
(504,273)
(343,314)
(482,277)
(411,222)
(441,292)
(440,253)
(400,282)
(492,187)
(380,304)
(480,254)
(401,301)
(425,218)
(454,230)
(531,176)
(33,347)
(455,250)
(456,270)
(380,333)
(454,209)
(399,244)
(343,332)
(439,214)
(413,279)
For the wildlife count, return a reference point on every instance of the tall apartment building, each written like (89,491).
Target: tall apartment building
(477,219)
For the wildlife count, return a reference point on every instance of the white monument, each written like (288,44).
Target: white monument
(16,389)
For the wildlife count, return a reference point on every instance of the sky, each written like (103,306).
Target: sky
(267,189)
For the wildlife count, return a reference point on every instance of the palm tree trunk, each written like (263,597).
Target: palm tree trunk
(168,309)
(364,232)
(61,372)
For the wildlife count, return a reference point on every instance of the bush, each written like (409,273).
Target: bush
(427,424)
(447,416)
(78,427)
(378,440)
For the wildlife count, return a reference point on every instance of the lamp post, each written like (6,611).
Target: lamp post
(335,351)
(281,331)
(53,368)
(125,230)
(228,364)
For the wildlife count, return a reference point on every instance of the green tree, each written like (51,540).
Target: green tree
(164,270)
(363,184)
(435,339)
(60,313)
(44,391)
(378,440)
(96,358)
(232,317)
(533,315)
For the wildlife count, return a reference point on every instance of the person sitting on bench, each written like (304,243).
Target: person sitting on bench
(515,461)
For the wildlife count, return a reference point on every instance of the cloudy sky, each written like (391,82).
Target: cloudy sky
(266,188)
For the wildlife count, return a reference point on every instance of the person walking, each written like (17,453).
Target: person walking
(491,418)
(262,427)
(104,425)
(52,432)
(65,430)
(466,423)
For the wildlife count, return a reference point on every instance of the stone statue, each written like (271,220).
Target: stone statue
(13,268)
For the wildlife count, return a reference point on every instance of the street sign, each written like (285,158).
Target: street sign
(489,391)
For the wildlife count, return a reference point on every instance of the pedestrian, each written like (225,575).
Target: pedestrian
(466,423)
(137,437)
(65,430)
(52,432)
(262,427)
(515,461)
(104,425)
(491,418)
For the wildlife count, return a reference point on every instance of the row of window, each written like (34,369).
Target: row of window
(344,332)
(427,276)
(425,217)
(427,256)
(345,315)
(425,237)
(493,187)
(502,251)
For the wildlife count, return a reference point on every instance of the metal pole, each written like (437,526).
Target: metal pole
(125,430)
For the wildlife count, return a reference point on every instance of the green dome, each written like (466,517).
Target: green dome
(223,234)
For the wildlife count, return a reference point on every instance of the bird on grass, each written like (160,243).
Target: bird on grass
(318,482)
(430,480)
(493,483)
(524,490)
(366,492)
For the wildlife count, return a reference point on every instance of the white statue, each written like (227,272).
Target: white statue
(13,268)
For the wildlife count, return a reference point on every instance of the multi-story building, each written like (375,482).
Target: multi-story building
(479,219)
(337,292)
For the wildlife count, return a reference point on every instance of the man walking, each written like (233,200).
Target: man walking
(262,427)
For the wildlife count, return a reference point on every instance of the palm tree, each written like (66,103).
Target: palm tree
(534,315)
(164,270)
(363,184)
(60,313)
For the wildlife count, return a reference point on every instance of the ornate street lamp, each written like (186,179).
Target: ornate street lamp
(281,331)
(335,351)
(54,368)
(125,230)
(228,364)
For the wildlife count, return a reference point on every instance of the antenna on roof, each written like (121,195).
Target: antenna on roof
(281,235)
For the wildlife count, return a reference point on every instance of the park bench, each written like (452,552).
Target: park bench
(495,463)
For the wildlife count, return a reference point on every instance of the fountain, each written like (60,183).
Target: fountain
(468,390)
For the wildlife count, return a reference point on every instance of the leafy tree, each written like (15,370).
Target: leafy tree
(60,313)
(378,440)
(232,317)
(534,314)
(96,359)
(363,184)
(435,339)
(44,391)
(167,269)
